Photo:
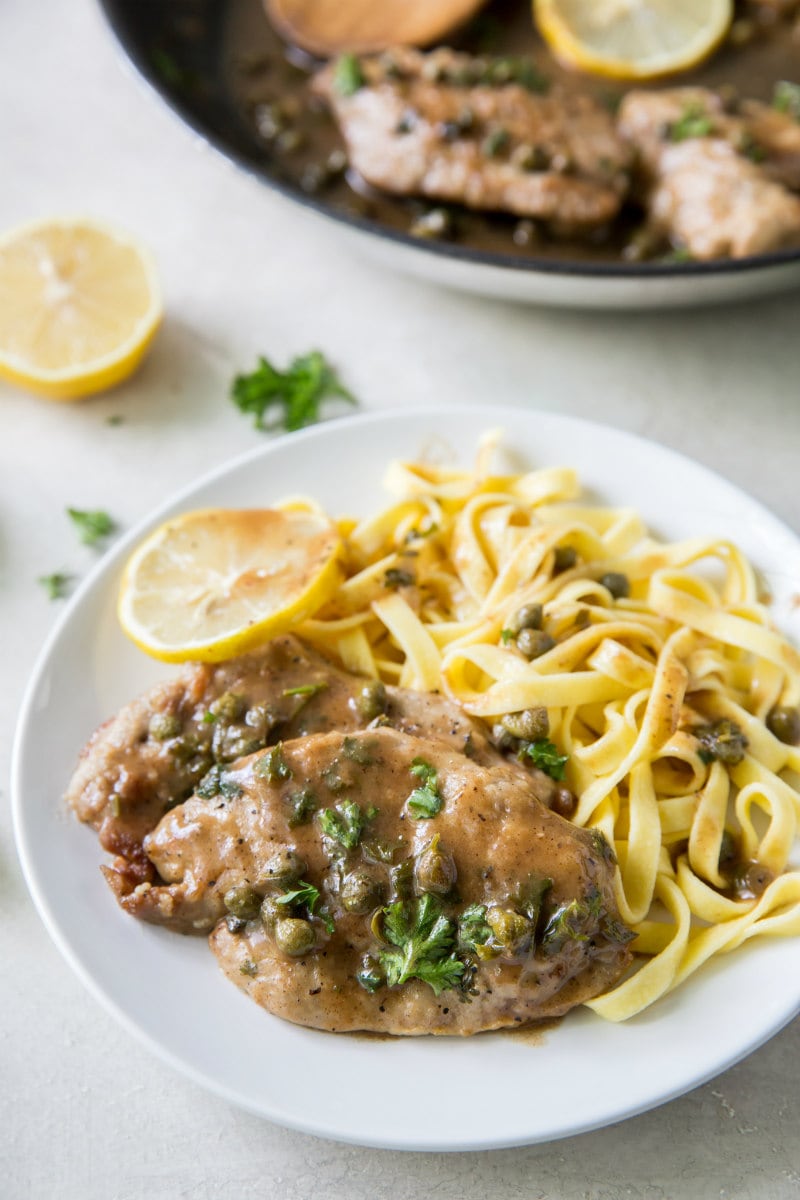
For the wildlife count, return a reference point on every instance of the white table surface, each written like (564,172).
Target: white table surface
(86,1112)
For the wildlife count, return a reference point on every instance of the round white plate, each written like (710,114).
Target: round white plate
(422,1094)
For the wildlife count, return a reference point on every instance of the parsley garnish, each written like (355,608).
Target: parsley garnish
(422,941)
(786,98)
(358,751)
(305,689)
(426,801)
(304,893)
(693,122)
(91,525)
(56,585)
(248,967)
(347,75)
(302,807)
(298,391)
(545,756)
(217,783)
(473,930)
(273,766)
(343,824)
(507,635)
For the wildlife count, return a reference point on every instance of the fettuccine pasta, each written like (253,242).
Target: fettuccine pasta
(657,665)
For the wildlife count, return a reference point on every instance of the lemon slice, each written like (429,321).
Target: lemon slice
(212,584)
(633,39)
(79,305)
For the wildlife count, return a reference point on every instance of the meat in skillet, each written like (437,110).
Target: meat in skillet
(716,181)
(454,128)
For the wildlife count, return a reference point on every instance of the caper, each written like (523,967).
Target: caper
(502,739)
(164,725)
(509,928)
(564,802)
(229,707)
(618,584)
(751,880)
(434,870)
(284,867)
(235,924)
(724,742)
(360,892)
(564,558)
(243,901)
(371,700)
(294,936)
(531,724)
(534,642)
(784,723)
(271,912)
(527,617)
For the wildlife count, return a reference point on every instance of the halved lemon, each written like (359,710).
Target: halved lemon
(212,584)
(79,306)
(633,39)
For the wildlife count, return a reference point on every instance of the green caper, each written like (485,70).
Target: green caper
(534,642)
(618,584)
(784,723)
(509,928)
(527,617)
(243,901)
(502,739)
(564,559)
(284,867)
(164,725)
(371,701)
(229,707)
(294,936)
(360,892)
(235,924)
(271,912)
(434,870)
(532,724)
(723,741)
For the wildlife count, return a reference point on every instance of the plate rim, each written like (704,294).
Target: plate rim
(108,565)
(449,252)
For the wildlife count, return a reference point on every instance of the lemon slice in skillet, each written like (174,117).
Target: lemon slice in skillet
(633,39)
(79,306)
(212,584)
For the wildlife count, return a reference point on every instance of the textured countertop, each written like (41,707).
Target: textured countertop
(86,1113)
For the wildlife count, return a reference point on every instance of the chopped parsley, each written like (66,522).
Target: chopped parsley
(296,393)
(786,98)
(506,636)
(348,77)
(92,525)
(344,823)
(545,756)
(302,806)
(304,893)
(305,689)
(694,122)
(248,967)
(425,802)
(358,750)
(422,941)
(217,783)
(56,585)
(273,766)
(473,931)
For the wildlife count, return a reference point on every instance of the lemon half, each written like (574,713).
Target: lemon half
(79,306)
(633,39)
(212,584)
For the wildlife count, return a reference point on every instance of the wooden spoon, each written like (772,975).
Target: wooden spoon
(329,27)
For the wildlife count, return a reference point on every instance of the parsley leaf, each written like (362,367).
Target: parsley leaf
(425,802)
(56,585)
(302,806)
(296,393)
(693,122)
(545,756)
(91,525)
(473,930)
(347,75)
(305,689)
(786,98)
(343,824)
(217,783)
(422,940)
(273,766)
(304,893)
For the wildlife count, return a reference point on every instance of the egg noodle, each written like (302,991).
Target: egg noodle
(431,584)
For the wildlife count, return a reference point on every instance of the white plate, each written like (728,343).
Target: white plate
(424,1094)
